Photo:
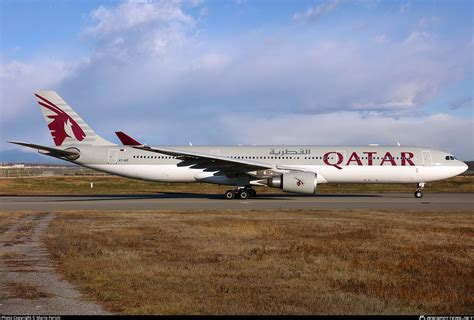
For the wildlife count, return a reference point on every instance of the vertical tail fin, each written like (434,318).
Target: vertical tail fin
(65,125)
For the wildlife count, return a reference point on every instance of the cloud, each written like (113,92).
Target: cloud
(427,22)
(20,117)
(211,61)
(381,39)
(440,131)
(154,73)
(20,80)
(193,85)
(462,103)
(421,41)
(133,14)
(314,13)
(405,7)
(139,27)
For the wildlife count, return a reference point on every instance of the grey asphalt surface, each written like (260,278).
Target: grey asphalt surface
(180,201)
(25,261)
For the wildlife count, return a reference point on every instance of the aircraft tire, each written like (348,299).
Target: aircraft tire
(418,194)
(229,194)
(243,194)
(252,193)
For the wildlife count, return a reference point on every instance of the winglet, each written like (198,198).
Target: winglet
(127,140)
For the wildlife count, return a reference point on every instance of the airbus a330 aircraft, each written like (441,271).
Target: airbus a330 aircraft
(297,169)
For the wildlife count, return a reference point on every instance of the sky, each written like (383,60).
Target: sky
(244,72)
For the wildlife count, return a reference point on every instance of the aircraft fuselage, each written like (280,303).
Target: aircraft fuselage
(334,164)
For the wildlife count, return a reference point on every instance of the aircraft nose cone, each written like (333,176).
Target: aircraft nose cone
(463,168)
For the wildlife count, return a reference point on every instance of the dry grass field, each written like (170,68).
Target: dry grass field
(118,185)
(281,262)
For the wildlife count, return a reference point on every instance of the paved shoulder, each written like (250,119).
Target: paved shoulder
(28,281)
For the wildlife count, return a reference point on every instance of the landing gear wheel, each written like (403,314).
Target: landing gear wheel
(244,194)
(229,194)
(418,194)
(252,193)
(419,190)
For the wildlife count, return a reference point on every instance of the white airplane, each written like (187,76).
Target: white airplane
(297,169)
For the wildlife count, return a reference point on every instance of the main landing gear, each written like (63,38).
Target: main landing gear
(242,193)
(419,190)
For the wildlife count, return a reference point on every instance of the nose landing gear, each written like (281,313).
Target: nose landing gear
(242,193)
(419,190)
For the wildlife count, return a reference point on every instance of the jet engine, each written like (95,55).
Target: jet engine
(295,181)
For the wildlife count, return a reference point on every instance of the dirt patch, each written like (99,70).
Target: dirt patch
(25,291)
(8,219)
(12,255)
(27,273)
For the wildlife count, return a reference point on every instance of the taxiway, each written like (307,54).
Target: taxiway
(187,201)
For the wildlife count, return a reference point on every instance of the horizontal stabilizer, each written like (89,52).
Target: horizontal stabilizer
(127,140)
(71,153)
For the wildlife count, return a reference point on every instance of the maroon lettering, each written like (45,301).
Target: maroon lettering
(370,157)
(388,158)
(340,158)
(354,157)
(406,158)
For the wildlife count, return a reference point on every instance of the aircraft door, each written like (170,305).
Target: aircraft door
(112,158)
(427,158)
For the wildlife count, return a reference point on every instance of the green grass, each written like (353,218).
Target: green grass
(118,185)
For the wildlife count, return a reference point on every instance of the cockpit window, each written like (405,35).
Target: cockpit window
(450,158)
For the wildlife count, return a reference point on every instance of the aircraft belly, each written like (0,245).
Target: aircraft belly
(326,174)
(166,173)
(434,173)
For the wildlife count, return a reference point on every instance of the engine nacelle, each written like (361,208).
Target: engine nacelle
(71,154)
(295,181)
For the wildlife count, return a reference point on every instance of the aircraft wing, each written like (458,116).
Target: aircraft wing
(47,150)
(209,162)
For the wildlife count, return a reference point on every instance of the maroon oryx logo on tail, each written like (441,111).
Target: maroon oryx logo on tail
(62,125)
(299,182)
